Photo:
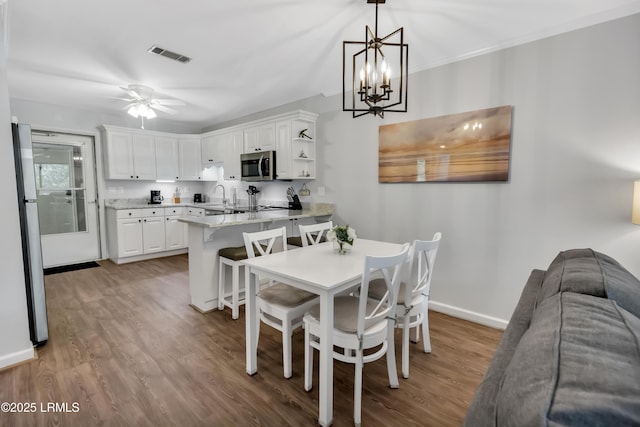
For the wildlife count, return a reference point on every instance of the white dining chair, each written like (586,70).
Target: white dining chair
(280,306)
(413,301)
(314,233)
(361,324)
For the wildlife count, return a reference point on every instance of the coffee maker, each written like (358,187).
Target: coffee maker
(155,198)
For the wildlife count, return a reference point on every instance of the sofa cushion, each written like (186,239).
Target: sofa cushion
(578,364)
(586,271)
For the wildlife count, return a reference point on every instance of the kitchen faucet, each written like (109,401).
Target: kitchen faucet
(224,197)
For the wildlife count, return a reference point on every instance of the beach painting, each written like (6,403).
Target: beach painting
(463,147)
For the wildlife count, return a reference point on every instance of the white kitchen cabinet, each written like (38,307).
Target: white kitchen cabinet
(118,155)
(153,232)
(295,147)
(283,150)
(232,148)
(166,158)
(129,155)
(138,234)
(303,147)
(261,137)
(189,159)
(143,148)
(212,149)
(175,231)
(128,239)
(199,212)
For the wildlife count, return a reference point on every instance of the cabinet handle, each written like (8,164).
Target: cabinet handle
(129,213)
(139,220)
(137,177)
(145,220)
(131,176)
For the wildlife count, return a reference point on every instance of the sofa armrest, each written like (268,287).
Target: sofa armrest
(482,409)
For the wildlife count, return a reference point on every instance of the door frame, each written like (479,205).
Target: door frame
(98,176)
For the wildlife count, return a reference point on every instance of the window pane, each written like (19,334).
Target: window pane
(60,182)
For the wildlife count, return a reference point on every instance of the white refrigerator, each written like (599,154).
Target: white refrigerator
(30,230)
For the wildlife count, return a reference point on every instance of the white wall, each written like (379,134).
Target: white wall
(15,345)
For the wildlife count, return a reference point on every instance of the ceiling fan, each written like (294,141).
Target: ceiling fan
(142,103)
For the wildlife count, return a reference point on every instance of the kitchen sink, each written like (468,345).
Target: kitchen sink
(208,211)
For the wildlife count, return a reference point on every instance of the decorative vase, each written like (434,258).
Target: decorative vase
(341,247)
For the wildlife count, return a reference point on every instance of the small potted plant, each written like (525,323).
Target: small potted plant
(342,237)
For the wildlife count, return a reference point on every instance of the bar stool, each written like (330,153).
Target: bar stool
(232,257)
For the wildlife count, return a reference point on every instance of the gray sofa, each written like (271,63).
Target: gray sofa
(570,355)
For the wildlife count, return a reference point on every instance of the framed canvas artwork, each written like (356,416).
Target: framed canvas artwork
(463,147)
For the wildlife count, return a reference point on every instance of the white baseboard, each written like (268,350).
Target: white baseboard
(17,357)
(492,322)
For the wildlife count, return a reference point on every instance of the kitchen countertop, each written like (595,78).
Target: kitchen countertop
(272,215)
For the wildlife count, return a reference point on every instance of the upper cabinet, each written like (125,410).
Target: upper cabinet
(130,156)
(138,154)
(232,146)
(133,154)
(166,158)
(260,138)
(211,149)
(190,162)
(297,144)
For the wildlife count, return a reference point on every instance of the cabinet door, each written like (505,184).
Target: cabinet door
(166,158)
(267,136)
(212,149)
(175,233)
(144,156)
(190,165)
(129,237)
(153,234)
(232,144)
(283,149)
(260,138)
(119,156)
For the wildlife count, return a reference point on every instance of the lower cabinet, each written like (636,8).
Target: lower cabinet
(174,230)
(136,234)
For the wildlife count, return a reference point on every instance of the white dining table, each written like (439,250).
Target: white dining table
(317,269)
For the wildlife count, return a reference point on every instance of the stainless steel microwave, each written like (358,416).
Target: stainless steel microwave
(258,166)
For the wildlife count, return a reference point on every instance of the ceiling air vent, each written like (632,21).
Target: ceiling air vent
(168,54)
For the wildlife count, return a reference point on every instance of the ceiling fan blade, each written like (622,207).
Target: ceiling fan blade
(168,102)
(163,109)
(132,93)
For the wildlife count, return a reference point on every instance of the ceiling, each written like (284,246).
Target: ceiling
(251,55)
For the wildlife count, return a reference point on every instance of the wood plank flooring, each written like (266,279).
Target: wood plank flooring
(127,347)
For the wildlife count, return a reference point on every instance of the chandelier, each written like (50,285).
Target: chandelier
(377,72)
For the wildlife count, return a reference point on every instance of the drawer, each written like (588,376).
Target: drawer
(128,213)
(174,211)
(195,211)
(152,212)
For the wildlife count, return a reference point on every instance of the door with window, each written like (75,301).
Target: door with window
(65,181)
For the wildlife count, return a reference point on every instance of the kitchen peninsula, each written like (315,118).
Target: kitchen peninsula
(207,234)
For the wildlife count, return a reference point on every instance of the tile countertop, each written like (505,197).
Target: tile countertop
(217,221)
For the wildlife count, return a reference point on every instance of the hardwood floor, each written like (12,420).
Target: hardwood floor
(125,348)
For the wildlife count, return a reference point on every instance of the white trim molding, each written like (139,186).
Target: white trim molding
(461,313)
(11,359)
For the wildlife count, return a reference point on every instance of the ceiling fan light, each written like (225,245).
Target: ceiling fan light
(150,113)
(133,111)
